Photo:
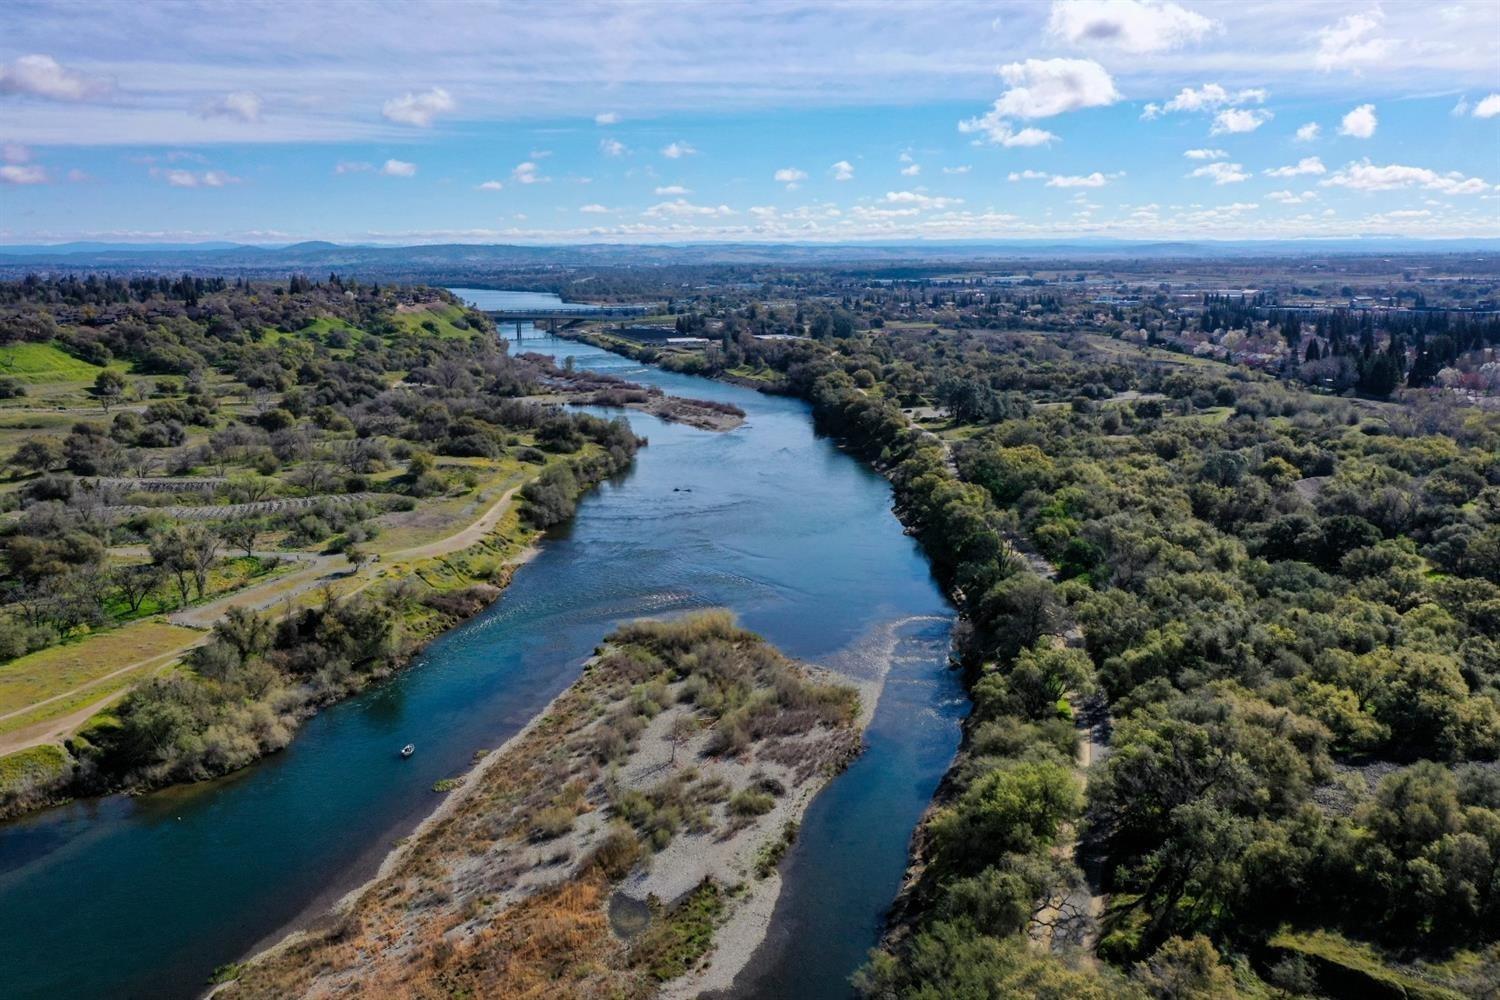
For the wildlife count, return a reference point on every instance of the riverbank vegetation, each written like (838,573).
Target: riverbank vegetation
(237,436)
(622,794)
(1288,602)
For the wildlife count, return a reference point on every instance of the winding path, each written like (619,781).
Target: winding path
(318,569)
(1069,920)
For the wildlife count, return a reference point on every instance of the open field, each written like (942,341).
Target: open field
(44,363)
(56,682)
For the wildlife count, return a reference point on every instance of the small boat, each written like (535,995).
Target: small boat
(408,750)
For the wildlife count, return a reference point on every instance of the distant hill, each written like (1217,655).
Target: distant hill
(458,259)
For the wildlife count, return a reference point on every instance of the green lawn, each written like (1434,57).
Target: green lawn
(44,363)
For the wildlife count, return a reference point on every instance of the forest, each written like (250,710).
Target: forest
(1288,605)
(240,457)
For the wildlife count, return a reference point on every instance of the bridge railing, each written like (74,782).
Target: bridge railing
(605,313)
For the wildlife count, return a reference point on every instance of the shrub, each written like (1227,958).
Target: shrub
(750,802)
(618,852)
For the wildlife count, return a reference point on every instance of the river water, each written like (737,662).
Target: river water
(144,897)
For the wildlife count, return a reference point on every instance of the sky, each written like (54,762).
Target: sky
(572,122)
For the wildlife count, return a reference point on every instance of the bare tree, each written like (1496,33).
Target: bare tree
(682,729)
(142,462)
(203,552)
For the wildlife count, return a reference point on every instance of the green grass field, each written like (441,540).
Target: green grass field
(31,678)
(36,363)
(442,318)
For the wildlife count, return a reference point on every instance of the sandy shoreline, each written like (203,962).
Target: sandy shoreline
(678,734)
(738,938)
(452,801)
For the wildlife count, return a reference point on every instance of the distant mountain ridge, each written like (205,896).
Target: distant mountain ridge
(318,255)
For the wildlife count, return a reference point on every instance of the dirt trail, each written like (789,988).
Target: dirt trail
(1069,920)
(317,570)
(459,540)
(50,730)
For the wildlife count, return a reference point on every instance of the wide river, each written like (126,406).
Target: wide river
(143,897)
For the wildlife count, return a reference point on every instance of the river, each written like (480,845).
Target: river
(143,897)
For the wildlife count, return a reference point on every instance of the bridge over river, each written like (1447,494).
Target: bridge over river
(565,316)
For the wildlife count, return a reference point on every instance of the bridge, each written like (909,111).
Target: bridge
(565,316)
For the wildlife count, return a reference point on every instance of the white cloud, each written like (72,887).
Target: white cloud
(1206,154)
(1360,123)
(962,168)
(244,105)
(593,209)
(1288,198)
(42,76)
(490,186)
(1234,120)
(673,189)
(1209,97)
(1002,133)
(1093,180)
(677,151)
(526,173)
(1222,173)
(1352,41)
(23,173)
(790,176)
(912,170)
(399,168)
(353,167)
(1309,132)
(1488,108)
(1306,165)
(1461,108)
(1041,88)
(188,179)
(606,118)
(682,207)
(418,109)
(920,200)
(1366,176)
(14,152)
(1129,25)
(842,171)
(612,147)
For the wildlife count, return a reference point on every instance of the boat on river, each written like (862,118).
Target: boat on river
(408,750)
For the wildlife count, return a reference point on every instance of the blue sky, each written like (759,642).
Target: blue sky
(571,122)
